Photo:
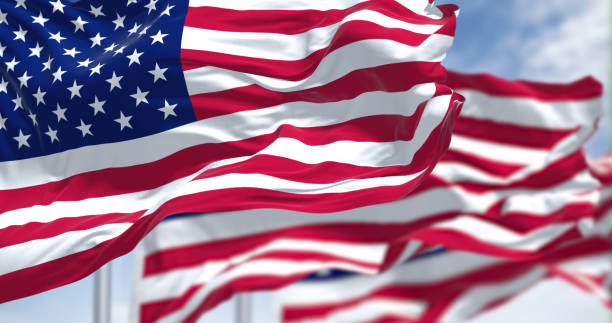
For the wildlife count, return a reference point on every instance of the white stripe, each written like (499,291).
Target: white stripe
(475,300)
(528,112)
(285,47)
(237,126)
(418,6)
(492,150)
(594,264)
(424,271)
(335,65)
(371,309)
(176,282)
(39,251)
(500,236)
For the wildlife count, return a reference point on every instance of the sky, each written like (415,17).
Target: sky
(552,40)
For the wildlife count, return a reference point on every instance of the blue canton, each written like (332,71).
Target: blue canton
(78,73)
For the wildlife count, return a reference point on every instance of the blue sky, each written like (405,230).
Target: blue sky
(552,40)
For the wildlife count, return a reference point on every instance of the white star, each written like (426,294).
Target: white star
(114,81)
(2,48)
(3,85)
(3,17)
(75,90)
(167,10)
(119,51)
(124,121)
(72,52)
(119,22)
(3,122)
(35,51)
(11,65)
(32,116)
(52,134)
(47,64)
(134,29)
(110,48)
(79,24)
(57,37)
(130,2)
(22,139)
(57,76)
(151,5)
(23,79)
(60,113)
(96,70)
(20,3)
(84,128)
(96,40)
(58,6)
(18,103)
(39,96)
(158,73)
(97,105)
(20,34)
(85,63)
(144,31)
(96,11)
(135,57)
(168,109)
(140,96)
(158,38)
(40,19)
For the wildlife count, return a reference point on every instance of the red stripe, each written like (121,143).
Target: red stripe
(297,21)
(35,230)
(152,311)
(490,166)
(389,78)
(555,173)
(505,133)
(586,88)
(295,70)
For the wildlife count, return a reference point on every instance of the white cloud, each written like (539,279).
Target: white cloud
(563,40)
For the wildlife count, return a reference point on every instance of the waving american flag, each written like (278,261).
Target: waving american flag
(115,114)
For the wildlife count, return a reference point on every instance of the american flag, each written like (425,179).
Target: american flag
(450,286)
(443,286)
(115,114)
(514,184)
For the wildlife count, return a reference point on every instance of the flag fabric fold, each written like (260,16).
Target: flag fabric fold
(513,184)
(449,286)
(115,115)
(442,286)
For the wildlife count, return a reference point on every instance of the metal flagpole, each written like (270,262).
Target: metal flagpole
(102,295)
(243,308)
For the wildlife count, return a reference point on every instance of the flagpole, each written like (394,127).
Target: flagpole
(102,295)
(243,308)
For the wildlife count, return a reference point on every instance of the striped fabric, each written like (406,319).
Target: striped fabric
(309,106)
(594,274)
(445,287)
(451,286)
(514,184)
